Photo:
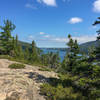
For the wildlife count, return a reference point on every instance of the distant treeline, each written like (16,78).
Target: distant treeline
(84,47)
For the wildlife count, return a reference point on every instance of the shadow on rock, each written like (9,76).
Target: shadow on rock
(38,77)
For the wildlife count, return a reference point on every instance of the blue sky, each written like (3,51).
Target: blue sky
(48,22)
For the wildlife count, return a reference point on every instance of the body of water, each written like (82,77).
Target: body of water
(62,53)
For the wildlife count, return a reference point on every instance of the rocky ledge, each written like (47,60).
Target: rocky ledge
(22,84)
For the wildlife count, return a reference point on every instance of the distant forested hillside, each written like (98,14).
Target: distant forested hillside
(24,44)
(83,47)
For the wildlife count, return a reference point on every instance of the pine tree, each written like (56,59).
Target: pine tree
(97,50)
(20,53)
(34,54)
(96,23)
(91,53)
(5,37)
(56,60)
(71,58)
(12,53)
(27,53)
(44,59)
(15,46)
(16,40)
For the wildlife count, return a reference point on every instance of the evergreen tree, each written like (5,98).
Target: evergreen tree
(44,59)
(16,46)
(18,52)
(96,23)
(91,54)
(97,50)
(5,37)
(71,58)
(51,60)
(12,53)
(16,40)
(34,54)
(56,60)
(27,53)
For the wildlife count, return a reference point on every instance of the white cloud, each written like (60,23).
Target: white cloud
(42,33)
(80,39)
(30,37)
(92,27)
(47,36)
(96,5)
(48,2)
(85,38)
(75,20)
(53,41)
(28,5)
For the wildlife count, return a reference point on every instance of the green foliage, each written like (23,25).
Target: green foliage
(68,76)
(60,93)
(17,50)
(6,38)
(84,71)
(95,94)
(96,71)
(45,69)
(5,57)
(81,74)
(44,58)
(51,60)
(16,66)
(96,23)
(71,58)
(34,57)
(27,54)
(97,51)
(91,53)
(83,68)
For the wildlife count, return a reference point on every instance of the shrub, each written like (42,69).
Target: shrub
(83,68)
(45,69)
(5,57)
(95,94)
(96,71)
(16,66)
(60,93)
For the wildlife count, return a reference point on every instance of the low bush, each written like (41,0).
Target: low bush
(5,57)
(60,93)
(16,66)
(95,94)
(96,71)
(45,69)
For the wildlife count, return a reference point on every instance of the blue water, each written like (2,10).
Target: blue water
(61,53)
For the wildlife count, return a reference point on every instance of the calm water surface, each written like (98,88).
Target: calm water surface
(61,53)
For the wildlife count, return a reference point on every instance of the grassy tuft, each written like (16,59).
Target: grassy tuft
(16,66)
